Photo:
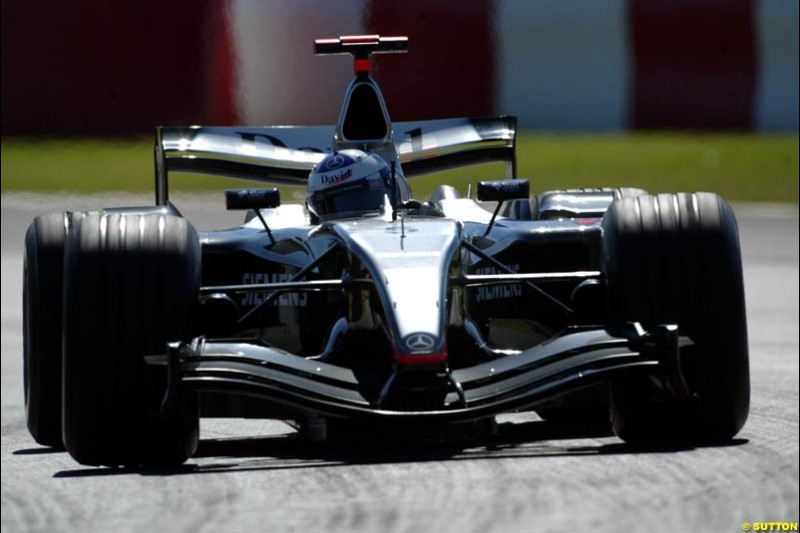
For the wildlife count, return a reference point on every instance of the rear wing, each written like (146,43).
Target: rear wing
(286,154)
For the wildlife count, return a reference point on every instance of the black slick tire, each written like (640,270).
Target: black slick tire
(42,309)
(675,258)
(131,284)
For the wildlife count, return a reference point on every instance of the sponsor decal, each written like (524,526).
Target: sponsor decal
(334,162)
(420,342)
(497,292)
(330,179)
(252,194)
(510,186)
(290,299)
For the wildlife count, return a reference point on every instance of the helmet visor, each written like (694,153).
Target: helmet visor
(349,199)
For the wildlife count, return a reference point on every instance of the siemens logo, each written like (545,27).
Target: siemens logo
(286,299)
(497,292)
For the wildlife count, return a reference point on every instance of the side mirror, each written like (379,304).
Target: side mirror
(502,190)
(242,199)
(255,199)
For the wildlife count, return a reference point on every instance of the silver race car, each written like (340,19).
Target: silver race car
(369,308)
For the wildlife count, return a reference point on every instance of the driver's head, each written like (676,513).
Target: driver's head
(348,183)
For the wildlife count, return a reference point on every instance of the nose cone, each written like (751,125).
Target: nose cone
(410,263)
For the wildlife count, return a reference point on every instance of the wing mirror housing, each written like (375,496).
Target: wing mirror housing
(259,198)
(502,190)
(255,199)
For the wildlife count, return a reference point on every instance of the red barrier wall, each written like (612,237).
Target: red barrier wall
(694,63)
(91,67)
(451,57)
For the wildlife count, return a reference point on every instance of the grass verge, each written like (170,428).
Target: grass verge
(741,167)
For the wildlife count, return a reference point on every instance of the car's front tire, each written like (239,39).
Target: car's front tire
(675,258)
(131,284)
(42,287)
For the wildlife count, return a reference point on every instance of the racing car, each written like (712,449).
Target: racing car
(368,307)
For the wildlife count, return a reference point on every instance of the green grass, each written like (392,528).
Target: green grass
(741,167)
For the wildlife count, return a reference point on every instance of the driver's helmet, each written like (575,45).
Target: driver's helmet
(348,183)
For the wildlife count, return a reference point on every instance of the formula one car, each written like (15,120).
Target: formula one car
(368,307)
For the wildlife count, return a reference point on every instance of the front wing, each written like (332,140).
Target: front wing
(576,358)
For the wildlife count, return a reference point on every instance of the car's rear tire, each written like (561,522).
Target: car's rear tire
(131,283)
(43,266)
(529,209)
(675,258)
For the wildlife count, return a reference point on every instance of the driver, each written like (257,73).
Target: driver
(352,183)
(346,184)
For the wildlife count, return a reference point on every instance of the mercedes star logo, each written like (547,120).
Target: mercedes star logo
(335,162)
(419,342)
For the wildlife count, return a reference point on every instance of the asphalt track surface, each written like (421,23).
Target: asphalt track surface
(260,476)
